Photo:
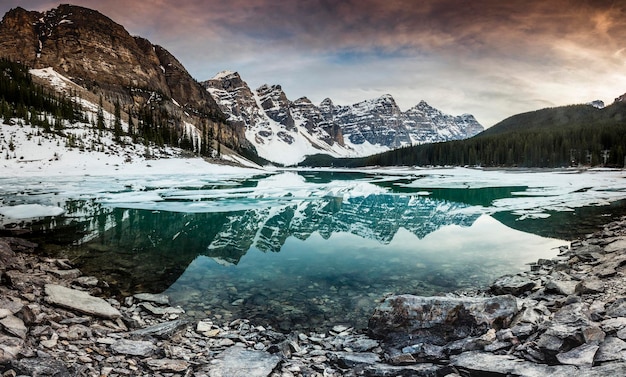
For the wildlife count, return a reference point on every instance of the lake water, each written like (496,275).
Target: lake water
(307,249)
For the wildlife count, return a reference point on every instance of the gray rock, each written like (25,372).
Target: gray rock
(160,299)
(41,367)
(617,308)
(9,348)
(512,284)
(354,359)
(134,347)
(168,365)
(593,335)
(613,324)
(239,362)
(361,344)
(162,330)
(80,301)
(612,349)
(420,370)
(7,255)
(65,274)
(590,286)
(581,356)
(481,363)
(439,320)
(161,311)
(617,245)
(563,287)
(14,326)
(425,352)
(87,281)
(550,343)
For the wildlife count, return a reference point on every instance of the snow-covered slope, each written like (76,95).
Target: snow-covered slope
(81,149)
(286,131)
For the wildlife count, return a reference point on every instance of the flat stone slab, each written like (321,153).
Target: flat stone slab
(162,330)
(239,362)
(487,363)
(409,317)
(168,365)
(141,348)
(80,301)
(617,245)
(14,326)
(151,297)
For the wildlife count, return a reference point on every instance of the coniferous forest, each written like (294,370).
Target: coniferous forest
(554,137)
(22,98)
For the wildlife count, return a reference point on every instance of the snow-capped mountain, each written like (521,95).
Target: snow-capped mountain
(286,131)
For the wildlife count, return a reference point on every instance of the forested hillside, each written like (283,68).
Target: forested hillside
(23,99)
(555,137)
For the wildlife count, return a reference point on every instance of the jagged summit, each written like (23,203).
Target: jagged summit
(225,75)
(286,131)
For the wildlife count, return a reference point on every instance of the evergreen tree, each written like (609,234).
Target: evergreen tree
(117,125)
(100,116)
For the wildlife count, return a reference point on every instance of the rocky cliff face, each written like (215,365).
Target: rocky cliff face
(286,131)
(100,55)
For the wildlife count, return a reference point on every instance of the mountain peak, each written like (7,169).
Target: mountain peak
(226,75)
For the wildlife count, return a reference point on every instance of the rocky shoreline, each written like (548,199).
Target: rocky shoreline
(566,316)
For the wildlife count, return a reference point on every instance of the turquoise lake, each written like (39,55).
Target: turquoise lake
(308,249)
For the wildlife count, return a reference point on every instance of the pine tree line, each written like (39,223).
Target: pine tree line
(21,98)
(550,138)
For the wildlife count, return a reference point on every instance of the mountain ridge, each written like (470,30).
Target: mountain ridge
(98,54)
(300,128)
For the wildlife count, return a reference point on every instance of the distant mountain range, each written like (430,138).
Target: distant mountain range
(574,135)
(161,103)
(286,131)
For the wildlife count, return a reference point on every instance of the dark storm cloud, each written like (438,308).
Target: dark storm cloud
(488,57)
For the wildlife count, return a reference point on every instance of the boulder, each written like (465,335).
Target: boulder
(80,301)
(512,284)
(439,320)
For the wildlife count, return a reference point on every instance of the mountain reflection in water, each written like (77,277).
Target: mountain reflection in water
(308,255)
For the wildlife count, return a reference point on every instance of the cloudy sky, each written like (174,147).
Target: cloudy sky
(490,58)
